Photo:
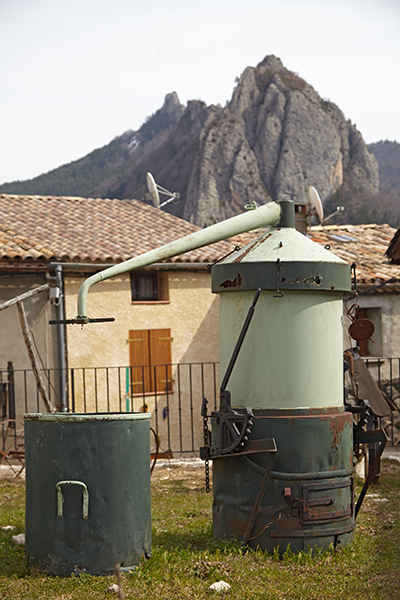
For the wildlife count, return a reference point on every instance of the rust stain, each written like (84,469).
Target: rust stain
(337,427)
(236,527)
(232,283)
(253,246)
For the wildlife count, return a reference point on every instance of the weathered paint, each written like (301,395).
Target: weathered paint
(108,457)
(290,373)
(309,499)
(292,354)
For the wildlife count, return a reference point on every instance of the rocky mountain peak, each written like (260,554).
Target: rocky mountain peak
(273,139)
(172,106)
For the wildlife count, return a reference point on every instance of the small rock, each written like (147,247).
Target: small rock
(379,499)
(113,589)
(219,586)
(8,527)
(19,539)
(390,457)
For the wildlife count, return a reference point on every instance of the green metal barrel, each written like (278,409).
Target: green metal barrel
(87,491)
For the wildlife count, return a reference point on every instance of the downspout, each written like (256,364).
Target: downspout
(61,341)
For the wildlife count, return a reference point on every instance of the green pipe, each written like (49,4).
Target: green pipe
(268,214)
(127,390)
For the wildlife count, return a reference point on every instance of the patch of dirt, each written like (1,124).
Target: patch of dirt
(192,476)
(6,479)
(390,467)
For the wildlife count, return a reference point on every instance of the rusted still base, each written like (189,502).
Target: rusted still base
(309,498)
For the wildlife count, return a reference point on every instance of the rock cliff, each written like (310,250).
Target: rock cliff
(273,139)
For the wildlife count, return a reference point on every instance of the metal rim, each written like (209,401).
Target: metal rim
(72,417)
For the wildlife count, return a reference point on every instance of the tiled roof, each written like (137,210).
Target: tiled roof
(363,244)
(90,230)
(34,228)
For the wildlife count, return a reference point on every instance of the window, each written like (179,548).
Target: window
(147,286)
(150,361)
(369,347)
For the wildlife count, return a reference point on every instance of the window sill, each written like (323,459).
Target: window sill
(151,302)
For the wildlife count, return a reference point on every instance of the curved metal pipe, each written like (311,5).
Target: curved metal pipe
(268,214)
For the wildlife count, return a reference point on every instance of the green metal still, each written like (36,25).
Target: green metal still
(87,491)
(281,441)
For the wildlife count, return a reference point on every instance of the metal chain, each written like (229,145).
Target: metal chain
(206,445)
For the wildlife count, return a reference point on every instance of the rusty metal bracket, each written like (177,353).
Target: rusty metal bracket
(292,502)
(248,448)
(234,425)
(261,492)
(371,436)
(279,293)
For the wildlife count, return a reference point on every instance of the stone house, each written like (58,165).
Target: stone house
(377,282)
(164,314)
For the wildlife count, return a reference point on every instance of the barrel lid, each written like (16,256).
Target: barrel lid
(80,417)
(285,258)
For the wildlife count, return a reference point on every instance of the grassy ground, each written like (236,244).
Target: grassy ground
(186,560)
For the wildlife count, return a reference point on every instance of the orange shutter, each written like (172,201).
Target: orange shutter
(139,357)
(160,355)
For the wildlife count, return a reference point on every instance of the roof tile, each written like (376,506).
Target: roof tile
(87,229)
(101,230)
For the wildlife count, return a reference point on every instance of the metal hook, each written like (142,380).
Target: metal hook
(353,268)
(278,268)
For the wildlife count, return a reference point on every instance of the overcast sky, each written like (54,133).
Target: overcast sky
(76,73)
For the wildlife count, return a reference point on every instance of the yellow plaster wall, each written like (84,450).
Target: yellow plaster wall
(192,314)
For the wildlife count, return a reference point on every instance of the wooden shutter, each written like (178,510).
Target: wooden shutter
(160,354)
(139,357)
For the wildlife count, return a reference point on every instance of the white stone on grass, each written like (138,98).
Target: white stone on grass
(113,589)
(219,586)
(19,539)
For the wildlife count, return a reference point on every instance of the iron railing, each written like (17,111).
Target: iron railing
(175,406)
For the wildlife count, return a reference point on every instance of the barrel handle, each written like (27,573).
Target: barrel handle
(60,499)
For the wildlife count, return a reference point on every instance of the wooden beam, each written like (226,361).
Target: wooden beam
(33,356)
(23,296)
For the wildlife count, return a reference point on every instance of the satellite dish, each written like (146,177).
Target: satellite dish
(315,202)
(155,190)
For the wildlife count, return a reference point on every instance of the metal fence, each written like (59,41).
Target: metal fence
(176,412)
(176,420)
(386,373)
